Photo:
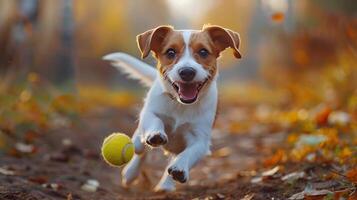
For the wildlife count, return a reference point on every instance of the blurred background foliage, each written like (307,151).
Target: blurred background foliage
(298,73)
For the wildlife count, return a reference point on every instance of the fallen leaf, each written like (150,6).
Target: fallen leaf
(353,196)
(322,115)
(316,193)
(278,17)
(352,175)
(298,196)
(248,197)
(90,186)
(24,148)
(310,193)
(220,196)
(256,179)
(38,179)
(53,186)
(223,152)
(67,142)
(293,176)
(275,159)
(7,172)
(339,118)
(271,172)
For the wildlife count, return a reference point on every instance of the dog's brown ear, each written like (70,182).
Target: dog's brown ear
(224,38)
(152,39)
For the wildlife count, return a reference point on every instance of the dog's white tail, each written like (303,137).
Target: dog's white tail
(132,66)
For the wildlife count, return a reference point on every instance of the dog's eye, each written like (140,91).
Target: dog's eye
(203,53)
(170,53)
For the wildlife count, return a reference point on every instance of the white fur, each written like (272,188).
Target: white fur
(187,126)
(187,61)
(135,68)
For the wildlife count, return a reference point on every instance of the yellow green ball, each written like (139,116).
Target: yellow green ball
(117,149)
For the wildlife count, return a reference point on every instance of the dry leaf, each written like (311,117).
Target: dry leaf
(6,172)
(278,17)
(293,176)
(339,118)
(352,175)
(24,148)
(275,159)
(322,115)
(256,179)
(223,152)
(220,196)
(271,172)
(53,186)
(248,197)
(310,193)
(90,186)
(38,179)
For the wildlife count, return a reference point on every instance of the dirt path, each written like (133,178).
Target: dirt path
(58,170)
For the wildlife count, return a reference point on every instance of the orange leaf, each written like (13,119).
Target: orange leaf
(275,159)
(352,175)
(278,17)
(322,116)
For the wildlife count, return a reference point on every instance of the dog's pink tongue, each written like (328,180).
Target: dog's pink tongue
(187,91)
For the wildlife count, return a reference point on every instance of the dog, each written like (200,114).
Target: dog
(180,107)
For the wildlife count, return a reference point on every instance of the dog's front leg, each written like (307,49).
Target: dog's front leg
(166,182)
(197,147)
(153,129)
(132,169)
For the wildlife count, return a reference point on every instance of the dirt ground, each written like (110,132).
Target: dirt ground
(65,159)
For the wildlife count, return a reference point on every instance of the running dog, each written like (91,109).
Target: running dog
(180,107)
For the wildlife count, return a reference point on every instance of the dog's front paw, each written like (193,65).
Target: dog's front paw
(156,139)
(178,174)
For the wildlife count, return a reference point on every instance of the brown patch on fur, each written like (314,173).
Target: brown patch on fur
(151,40)
(213,38)
(224,38)
(173,40)
(159,40)
(202,40)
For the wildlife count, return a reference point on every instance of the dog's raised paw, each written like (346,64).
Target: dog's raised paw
(156,140)
(177,174)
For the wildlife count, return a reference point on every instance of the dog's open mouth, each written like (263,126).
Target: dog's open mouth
(188,92)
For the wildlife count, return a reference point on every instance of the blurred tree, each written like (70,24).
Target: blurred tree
(16,36)
(25,39)
(64,71)
(344,6)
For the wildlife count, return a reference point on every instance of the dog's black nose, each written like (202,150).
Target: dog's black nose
(187,73)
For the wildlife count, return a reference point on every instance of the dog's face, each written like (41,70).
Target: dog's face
(187,59)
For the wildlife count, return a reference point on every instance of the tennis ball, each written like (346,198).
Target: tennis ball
(117,149)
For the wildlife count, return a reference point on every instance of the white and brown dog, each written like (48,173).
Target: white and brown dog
(180,107)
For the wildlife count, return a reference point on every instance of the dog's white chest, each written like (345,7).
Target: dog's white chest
(182,122)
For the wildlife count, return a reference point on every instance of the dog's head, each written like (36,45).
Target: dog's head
(187,59)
